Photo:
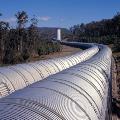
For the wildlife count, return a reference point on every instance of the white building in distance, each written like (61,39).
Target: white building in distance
(59,34)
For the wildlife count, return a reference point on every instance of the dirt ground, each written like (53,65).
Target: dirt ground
(116,87)
(66,50)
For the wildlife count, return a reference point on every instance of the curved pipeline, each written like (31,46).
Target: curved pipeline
(78,93)
(16,77)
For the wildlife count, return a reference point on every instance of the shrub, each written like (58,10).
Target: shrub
(25,55)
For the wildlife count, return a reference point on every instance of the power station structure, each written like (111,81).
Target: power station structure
(76,87)
(59,34)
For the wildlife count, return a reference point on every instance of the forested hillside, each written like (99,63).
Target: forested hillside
(106,31)
(51,32)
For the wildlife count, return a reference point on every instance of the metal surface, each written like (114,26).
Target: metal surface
(80,92)
(21,75)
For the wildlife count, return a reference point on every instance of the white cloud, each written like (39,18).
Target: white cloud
(44,18)
(10,20)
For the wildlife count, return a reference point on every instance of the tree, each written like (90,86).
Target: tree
(4,29)
(98,31)
(33,35)
(4,25)
(22,18)
(34,21)
(16,45)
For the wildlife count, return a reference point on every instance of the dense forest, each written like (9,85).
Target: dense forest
(106,31)
(22,43)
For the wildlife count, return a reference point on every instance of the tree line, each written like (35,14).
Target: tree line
(106,31)
(22,43)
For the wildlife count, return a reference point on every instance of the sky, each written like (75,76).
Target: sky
(60,13)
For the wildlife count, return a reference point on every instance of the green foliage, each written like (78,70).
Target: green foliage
(116,47)
(41,51)
(20,44)
(22,18)
(49,48)
(25,54)
(34,21)
(106,31)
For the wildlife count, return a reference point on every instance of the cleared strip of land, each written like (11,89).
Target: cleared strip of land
(116,87)
(66,50)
